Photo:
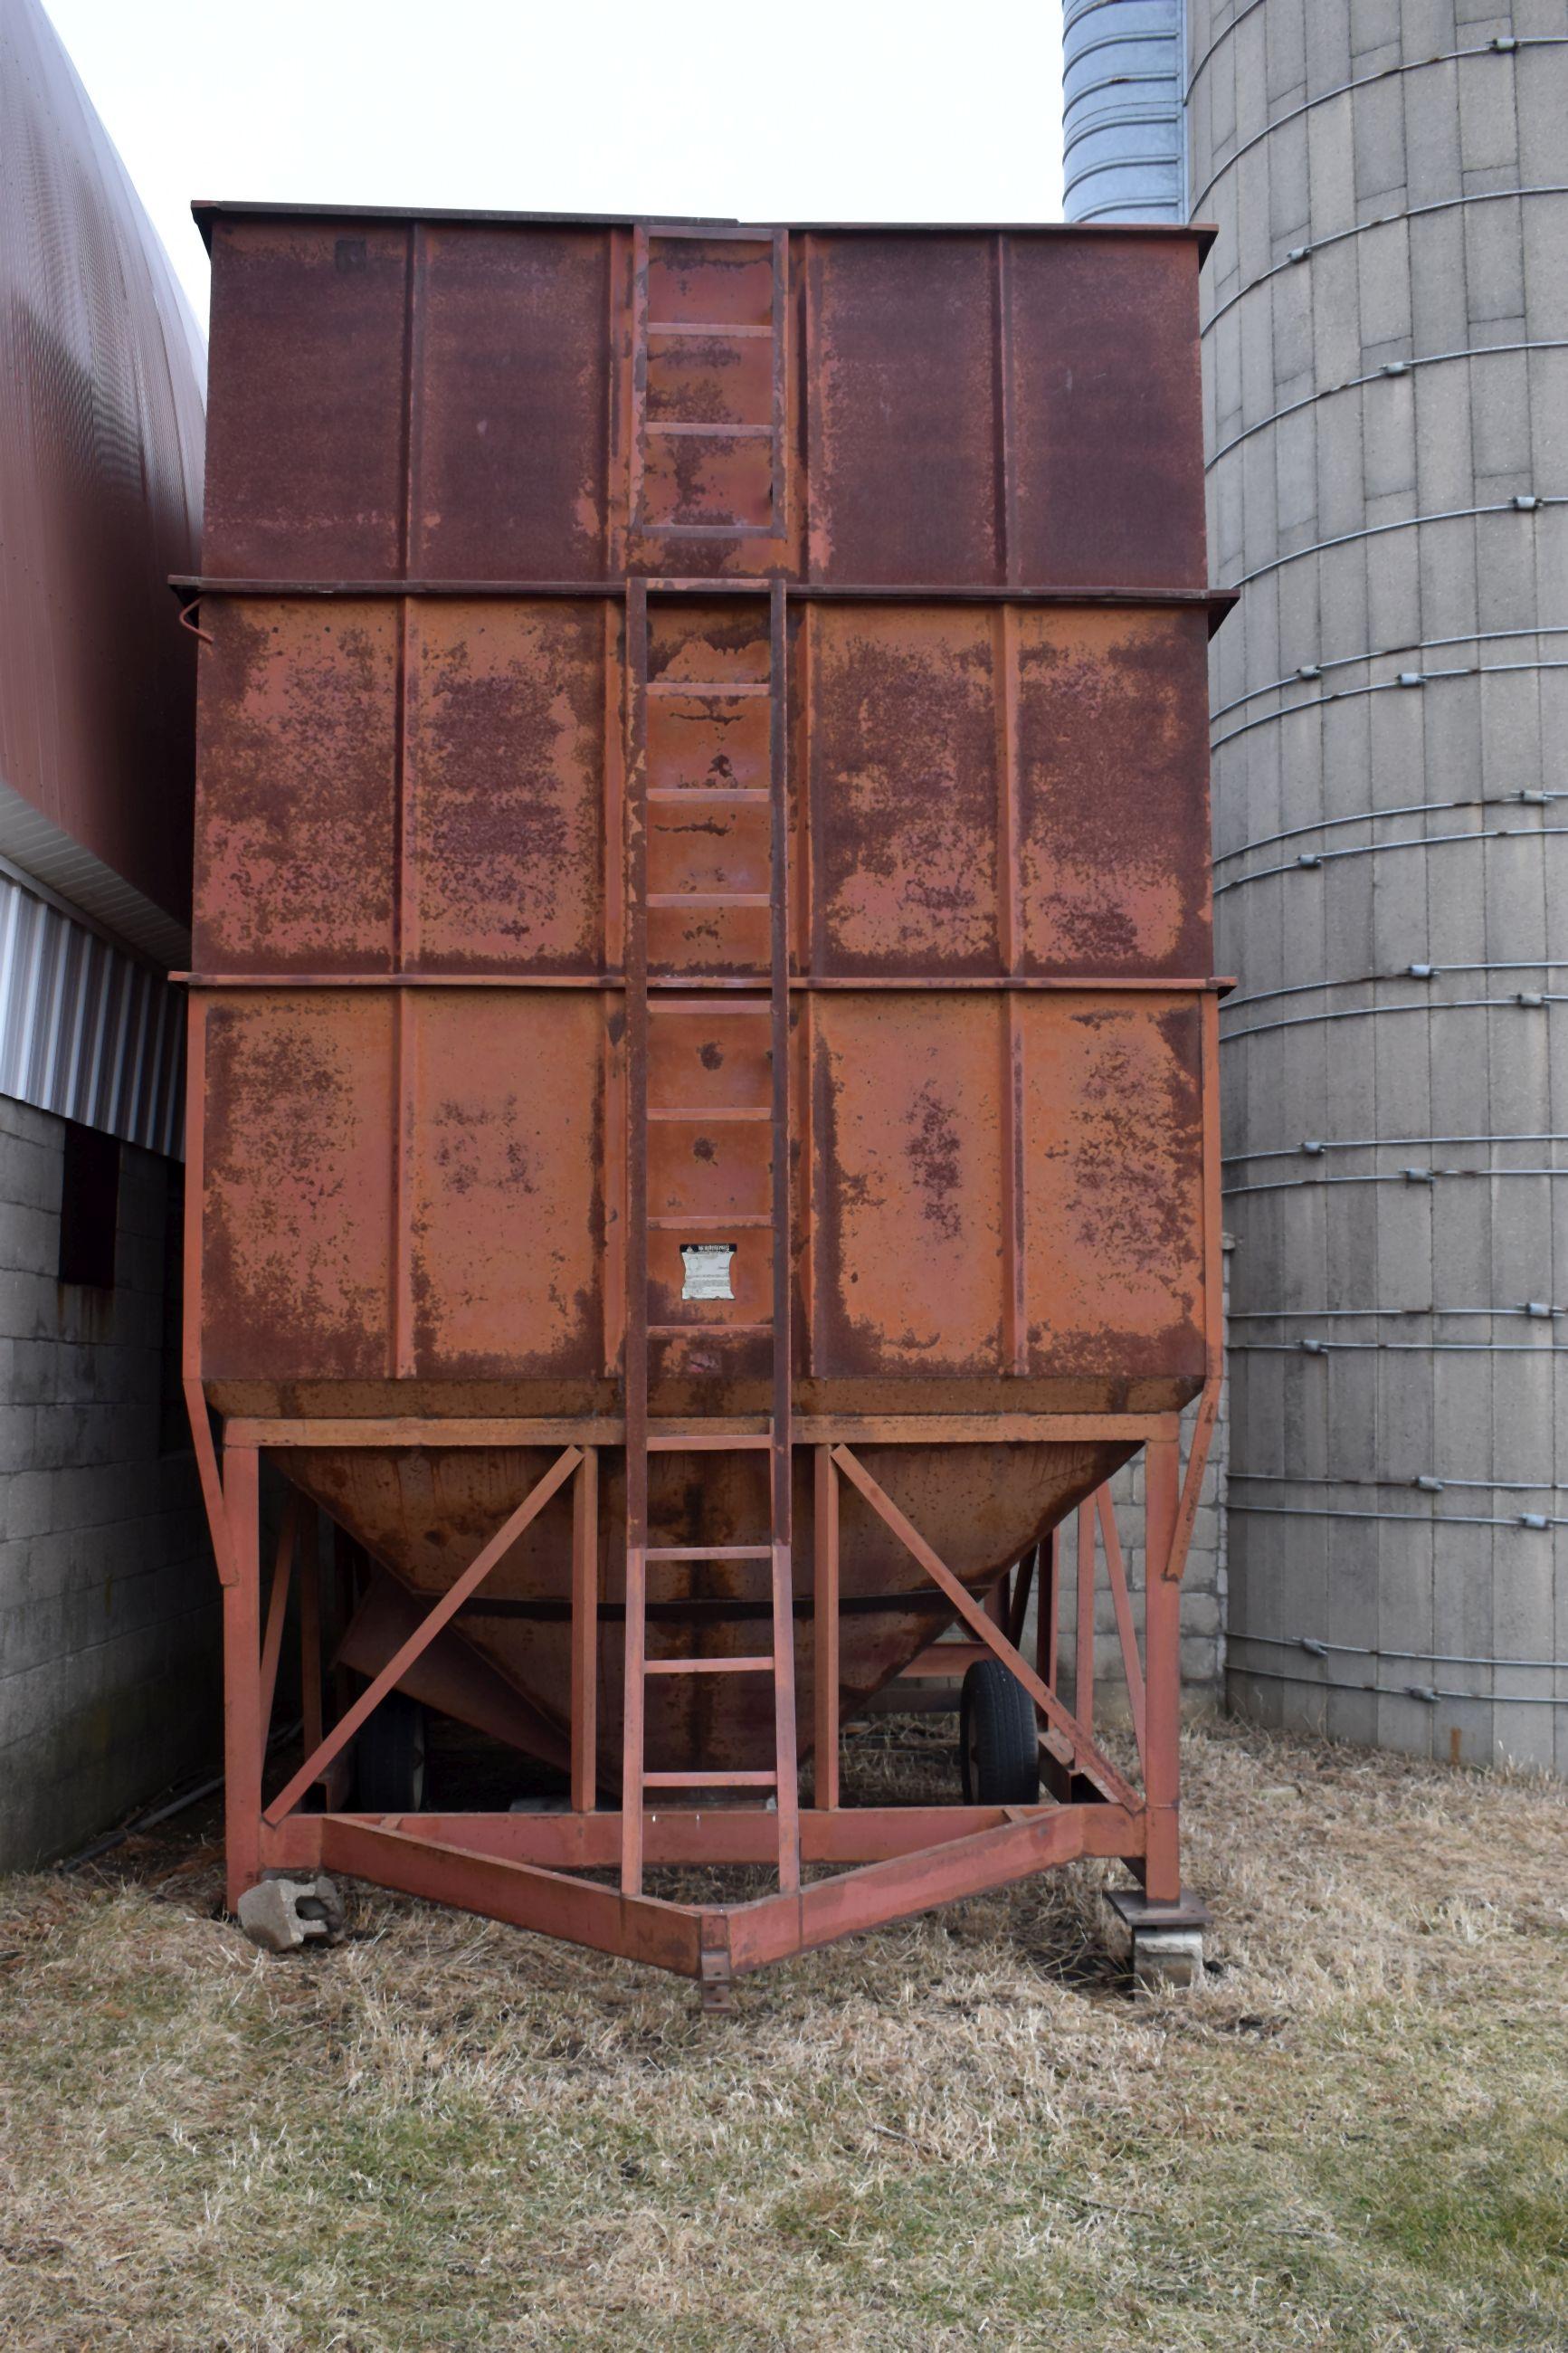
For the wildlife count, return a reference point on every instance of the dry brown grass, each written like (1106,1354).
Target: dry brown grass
(963,2132)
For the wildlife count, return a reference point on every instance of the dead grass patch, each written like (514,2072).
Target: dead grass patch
(961,2132)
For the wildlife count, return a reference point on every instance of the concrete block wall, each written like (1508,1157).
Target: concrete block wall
(109,1616)
(1386,340)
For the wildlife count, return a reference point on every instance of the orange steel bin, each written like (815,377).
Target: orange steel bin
(703,1045)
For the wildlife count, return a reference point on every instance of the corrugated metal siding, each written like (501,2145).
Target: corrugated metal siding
(86,1031)
(1124,143)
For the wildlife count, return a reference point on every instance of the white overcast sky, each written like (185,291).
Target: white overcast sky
(818,110)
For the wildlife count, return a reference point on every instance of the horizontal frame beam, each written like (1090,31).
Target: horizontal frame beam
(808,1430)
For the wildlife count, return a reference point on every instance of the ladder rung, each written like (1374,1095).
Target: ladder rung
(709,1780)
(710,899)
(706,685)
(707,1441)
(710,1329)
(708,1225)
(706,327)
(708,792)
(750,1005)
(709,1666)
(711,432)
(708,1552)
(719,1111)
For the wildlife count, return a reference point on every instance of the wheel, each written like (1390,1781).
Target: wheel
(998,1745)
(389,1757)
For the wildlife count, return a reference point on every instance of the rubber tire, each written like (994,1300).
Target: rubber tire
(389,1757)
(998,1744)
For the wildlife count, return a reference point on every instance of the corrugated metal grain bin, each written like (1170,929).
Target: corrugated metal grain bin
(702,1082)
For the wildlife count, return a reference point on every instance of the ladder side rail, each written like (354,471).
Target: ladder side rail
(634,1368)
(786,1761)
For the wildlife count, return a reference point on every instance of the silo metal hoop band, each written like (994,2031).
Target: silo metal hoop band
(1533,1522)
(1118,163)
(1435,1481)
(1407,1657)
(1382,529)
(1383,220)
(1373,1012)
(1391,372)
(1376,848)
(1377,686)
(1315,1144)
(1392,1347)
(1366,81)
(1397,1691)
(1389,653)
(1372,980)
(1376,816)
(1538,1311)
(1379,1177)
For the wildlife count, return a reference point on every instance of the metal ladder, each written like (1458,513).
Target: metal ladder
(644,1012)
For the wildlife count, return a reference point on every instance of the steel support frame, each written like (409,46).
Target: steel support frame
(887,1863)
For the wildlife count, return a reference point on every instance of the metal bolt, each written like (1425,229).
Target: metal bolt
(1396,367)
(1310,670)
(1421,1691)
(1412,678)
(1421,971)
(1298,253)
(1536,800)
(1317,1650)
(1525,504)
(1309,858)
(1504,42)
(1539,1308)
(1314,1347)
(1529,996)
(1312,1146)
(1534,1520)
(1420,1176)
(1428,1486)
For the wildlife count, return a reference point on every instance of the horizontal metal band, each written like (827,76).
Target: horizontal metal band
(1517,43)
(1383,220)
(1391,372)
(1394,1690)
(1310,864)
(1406,684)
(800,592)
(1532,1520)
(1381,530)
(1520,1004)
(1413,1179)
(1314,1144)
(1373,816)
(1410,1658)
(1305,674)
(1409,972)
(1433,1482)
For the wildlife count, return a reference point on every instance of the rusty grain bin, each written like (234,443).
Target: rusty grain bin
(701,1036)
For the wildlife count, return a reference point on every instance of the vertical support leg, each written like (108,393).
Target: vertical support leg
(242,1676)
(276,1610)
(1083,1688)
(585,1633)
(311,1630)
(1162,1675)
(1048,1611)
(826,1630)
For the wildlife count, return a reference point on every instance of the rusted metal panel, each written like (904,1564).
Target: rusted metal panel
(297,812)
(306,463)
(296,1216)
(509,449)
(504,767)
(1107,416)
(904,361)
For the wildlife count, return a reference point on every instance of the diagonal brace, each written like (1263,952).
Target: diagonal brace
(989,1632)
(451,1601)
